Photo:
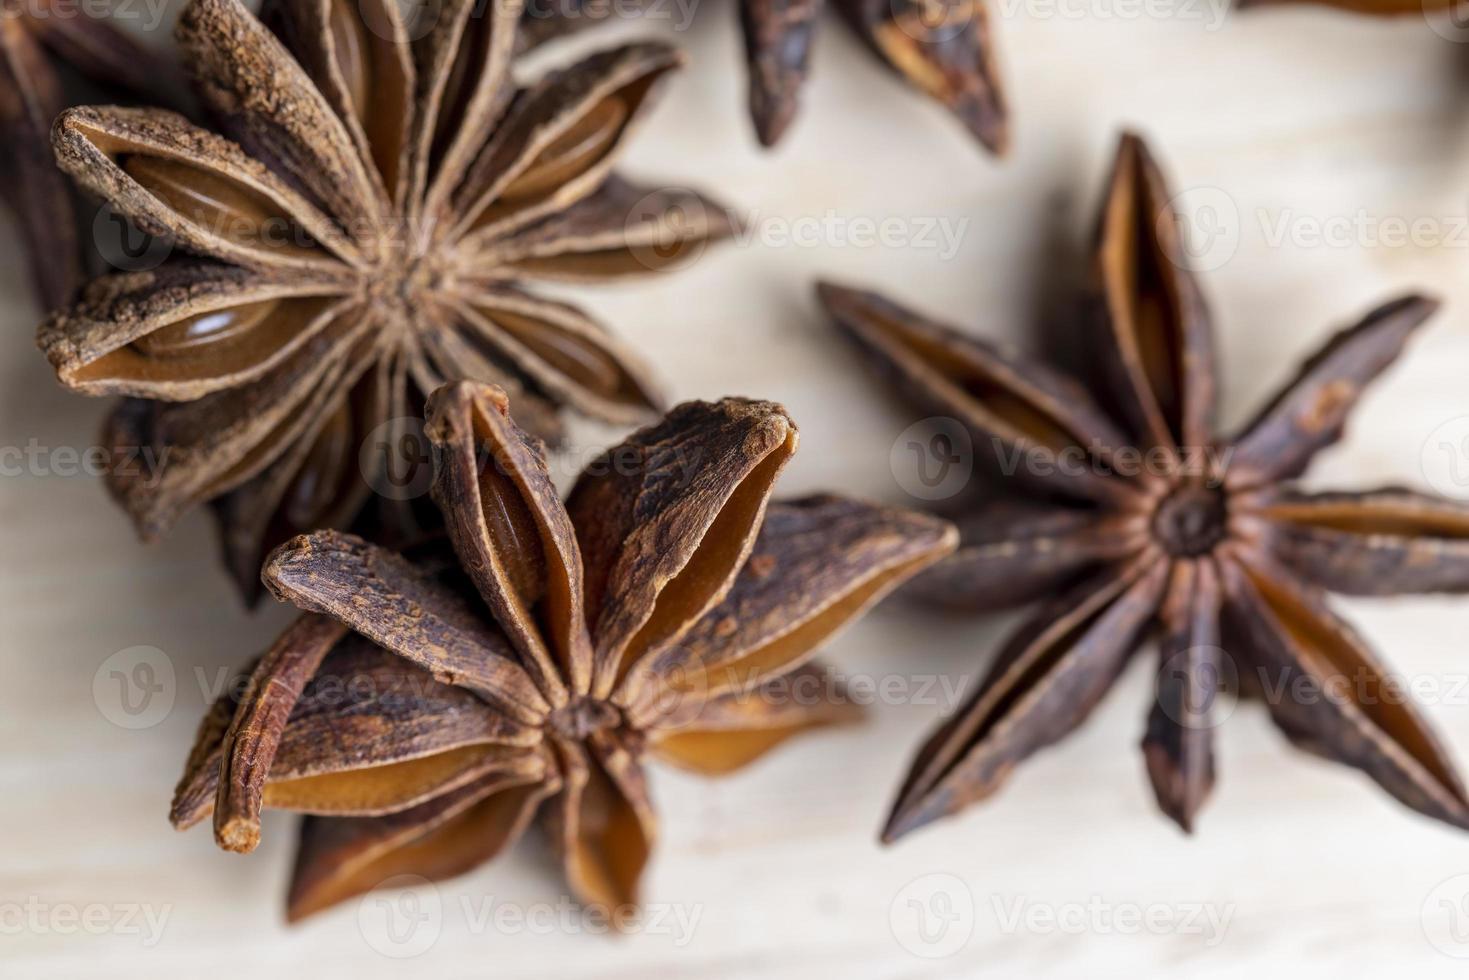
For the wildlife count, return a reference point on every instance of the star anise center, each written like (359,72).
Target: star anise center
(1191,519)
(405,275)
(582,717)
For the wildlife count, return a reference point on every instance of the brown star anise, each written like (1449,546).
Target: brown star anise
(363,239)
(941,47)
(40,42)
(662,611)
(1140,522)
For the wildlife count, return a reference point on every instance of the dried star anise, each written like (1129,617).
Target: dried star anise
(41,41)
(944,49)
(362,239)
(1160,529)
(664,610)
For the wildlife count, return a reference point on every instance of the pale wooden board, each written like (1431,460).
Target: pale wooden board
(1299,114)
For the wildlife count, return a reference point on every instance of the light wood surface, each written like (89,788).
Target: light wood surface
(1293,117)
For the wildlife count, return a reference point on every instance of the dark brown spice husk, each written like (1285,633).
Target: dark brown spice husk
(667,610)
(362,235)
(1210,550)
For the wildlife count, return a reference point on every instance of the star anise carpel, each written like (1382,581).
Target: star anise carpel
(359,231)
(1132,520)
(661,612)
(944,49)
(42,44)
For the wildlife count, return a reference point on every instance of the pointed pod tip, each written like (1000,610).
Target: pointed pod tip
(988,123)
(898,826)
(908,815)
(771,127)
(1421,306)
(1182,816)
(1132,151)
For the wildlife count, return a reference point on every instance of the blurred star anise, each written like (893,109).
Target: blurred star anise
(1163,530)
(941,47)
(664,610)
(362,239)
(41,43)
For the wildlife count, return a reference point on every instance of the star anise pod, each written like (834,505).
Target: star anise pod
(41,43)
(1135,521)
(944,48)
(364,238)
(664,611)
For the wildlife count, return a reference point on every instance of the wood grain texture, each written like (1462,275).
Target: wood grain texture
(1298,117)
